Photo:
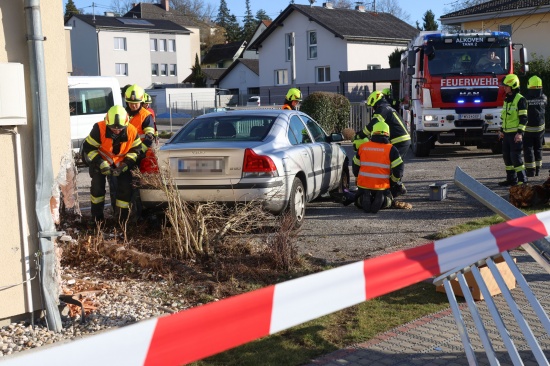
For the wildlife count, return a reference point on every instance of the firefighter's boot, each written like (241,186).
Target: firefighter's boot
(377,202)
(530,172)
(366,201)
(537,171)
(511,179)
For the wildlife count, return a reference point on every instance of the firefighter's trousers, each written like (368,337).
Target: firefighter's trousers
(532,152)
(511,153)
(123,197)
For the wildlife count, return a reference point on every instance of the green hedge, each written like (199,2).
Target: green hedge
(539,66)
(330,110)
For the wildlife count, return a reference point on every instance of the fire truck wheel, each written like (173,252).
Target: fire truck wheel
(419,145)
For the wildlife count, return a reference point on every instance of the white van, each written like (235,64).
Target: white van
(90,97)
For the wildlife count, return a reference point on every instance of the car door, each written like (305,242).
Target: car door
(327,167)
(302,148)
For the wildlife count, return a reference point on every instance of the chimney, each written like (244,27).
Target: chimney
(109,14)
(360,8)
(165,4)
(328,5)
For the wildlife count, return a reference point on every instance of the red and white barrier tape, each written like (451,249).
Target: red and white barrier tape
(206,330)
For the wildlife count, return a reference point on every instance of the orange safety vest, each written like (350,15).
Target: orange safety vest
(137,121)
(375,169)
(106,145)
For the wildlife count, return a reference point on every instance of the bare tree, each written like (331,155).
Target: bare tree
(392,7)
(197,9)
(121,7)
(462,4)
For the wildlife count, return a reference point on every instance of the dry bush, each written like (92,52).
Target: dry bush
(280,245)
(349,133)
(194,229)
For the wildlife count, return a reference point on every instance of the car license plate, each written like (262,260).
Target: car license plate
(470,116)
(200,165)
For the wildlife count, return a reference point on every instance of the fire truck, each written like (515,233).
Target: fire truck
(450,88)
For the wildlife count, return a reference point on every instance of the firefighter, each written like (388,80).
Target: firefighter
(113,147)
(389,98)
(399,137)
(534,130)
(514,119)
(378,168)
(292,99)
(140,118)
(147,101)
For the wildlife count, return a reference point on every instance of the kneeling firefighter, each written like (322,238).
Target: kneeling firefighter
(378,168)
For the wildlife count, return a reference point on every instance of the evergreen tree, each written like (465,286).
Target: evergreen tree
(262,15)
(429,21)
(228,21)
(250,24)
(70,9)
(394,59)
(197,76)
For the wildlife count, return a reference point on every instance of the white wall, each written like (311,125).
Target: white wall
(331,51)
(240,77)
(83,48)
(185,55)
(137,56)
(360,55)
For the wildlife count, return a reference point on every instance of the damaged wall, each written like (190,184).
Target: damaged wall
(14,48)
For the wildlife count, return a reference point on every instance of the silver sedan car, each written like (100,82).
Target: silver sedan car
(282,158)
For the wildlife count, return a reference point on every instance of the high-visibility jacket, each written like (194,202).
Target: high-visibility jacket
(375,166)
(99,145)
(286,106)
(385,113)
(514,114)
(143,121)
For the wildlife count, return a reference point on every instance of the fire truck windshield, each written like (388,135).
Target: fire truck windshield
(446,61)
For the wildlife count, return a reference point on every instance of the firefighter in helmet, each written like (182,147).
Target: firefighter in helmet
(534,129)
(378,168)
(389,98)
(292,99)
(140,117)
(514,119)
(112,147)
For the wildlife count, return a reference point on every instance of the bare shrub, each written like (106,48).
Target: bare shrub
(348,133)
(194,229)
(280,245)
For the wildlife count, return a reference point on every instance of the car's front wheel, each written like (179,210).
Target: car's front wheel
(296,208)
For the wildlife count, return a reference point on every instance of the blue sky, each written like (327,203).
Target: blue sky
(415,8)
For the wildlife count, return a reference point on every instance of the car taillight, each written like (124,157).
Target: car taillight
(255,165)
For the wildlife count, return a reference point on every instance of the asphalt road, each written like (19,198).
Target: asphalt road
(341,234)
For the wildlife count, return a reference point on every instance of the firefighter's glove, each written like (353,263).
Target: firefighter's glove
(148,140)
(105,168)
(120,169)
(398,189)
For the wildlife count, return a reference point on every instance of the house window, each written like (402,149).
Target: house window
(155,69)
(173,70)
(153,43)
(121,69)
(323,74)
(505,28)
(120,43)
(373,67)
(281,77)
(171,45)
(162,45)
(288,46)
(163,69)
(311,44)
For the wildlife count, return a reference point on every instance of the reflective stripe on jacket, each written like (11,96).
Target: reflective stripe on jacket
(375,169)
(143,124)
(512,115)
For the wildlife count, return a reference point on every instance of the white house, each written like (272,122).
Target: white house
(241,78)
(308,46)
(136,51)
(262,26)
(525,20)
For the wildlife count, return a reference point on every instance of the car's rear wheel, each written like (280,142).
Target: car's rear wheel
(296,208)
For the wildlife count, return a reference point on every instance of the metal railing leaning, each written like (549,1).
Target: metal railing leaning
(538,249)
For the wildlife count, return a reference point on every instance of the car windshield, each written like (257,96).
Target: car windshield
(225,128)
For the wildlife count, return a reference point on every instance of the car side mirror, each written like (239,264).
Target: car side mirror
(336,137)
